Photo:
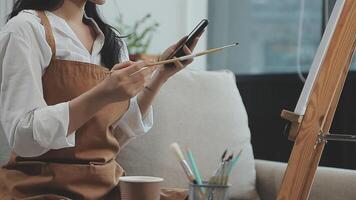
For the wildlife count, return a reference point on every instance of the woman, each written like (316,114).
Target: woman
(69,99)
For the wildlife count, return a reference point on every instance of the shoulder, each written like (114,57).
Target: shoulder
(26,29)
(26,24)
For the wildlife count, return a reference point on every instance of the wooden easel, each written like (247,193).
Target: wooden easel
(311,130)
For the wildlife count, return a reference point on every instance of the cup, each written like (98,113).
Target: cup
(140,187)
(208,192)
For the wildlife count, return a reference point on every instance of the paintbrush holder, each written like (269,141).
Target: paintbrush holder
(207,191)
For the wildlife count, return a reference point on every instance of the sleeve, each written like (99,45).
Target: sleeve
(30,125)
(132,124)
(124,53)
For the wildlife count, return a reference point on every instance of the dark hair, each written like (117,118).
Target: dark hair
(110,53)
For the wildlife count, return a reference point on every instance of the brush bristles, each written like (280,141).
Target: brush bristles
(176,149)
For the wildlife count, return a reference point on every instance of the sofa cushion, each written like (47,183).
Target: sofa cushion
(4,149)
(329,184)
(204,111)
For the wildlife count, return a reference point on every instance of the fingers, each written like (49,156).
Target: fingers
(132,68)
(168,53)
(143,74)
(122,85)
(133,71)
(138,81)
(194,43)
(181,41)
(178,44)
(187,51)
(122,65)
(179,64)
(173,47)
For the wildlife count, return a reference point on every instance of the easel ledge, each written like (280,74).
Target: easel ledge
(295,121)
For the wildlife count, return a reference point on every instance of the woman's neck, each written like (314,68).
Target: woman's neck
(71,10)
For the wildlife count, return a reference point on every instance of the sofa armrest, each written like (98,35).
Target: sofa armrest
(330,183)
(268,178)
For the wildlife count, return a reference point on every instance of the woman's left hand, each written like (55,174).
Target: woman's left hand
(165,72)
(162,74)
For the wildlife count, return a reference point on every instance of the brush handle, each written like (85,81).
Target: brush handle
(194,167)
(187,57)
(234,161)
(188,171)
(183,58)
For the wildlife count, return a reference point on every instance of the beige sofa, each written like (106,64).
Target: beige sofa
(330,183)
(199,109)
(197,127)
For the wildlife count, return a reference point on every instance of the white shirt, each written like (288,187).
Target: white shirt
(30,125)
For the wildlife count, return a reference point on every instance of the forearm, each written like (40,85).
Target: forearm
(85,106)
(146,97)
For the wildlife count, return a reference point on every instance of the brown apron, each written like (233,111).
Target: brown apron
(86,171)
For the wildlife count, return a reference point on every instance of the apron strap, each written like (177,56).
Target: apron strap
(49,34)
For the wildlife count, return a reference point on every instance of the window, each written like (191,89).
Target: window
(267,31)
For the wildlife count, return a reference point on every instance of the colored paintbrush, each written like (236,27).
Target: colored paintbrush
(194,166)
(235,160)
(176,149)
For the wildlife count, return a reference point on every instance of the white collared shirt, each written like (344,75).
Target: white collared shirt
(30,125)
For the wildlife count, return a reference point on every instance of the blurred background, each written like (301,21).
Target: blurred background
(278,40)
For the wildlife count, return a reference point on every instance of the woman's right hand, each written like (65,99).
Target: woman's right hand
(126,81)
(122,84)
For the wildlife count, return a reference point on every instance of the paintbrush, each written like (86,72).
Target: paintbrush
(176,149)
(226,169)
(187,57)
(234,161)
(223,155)
(194,166)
